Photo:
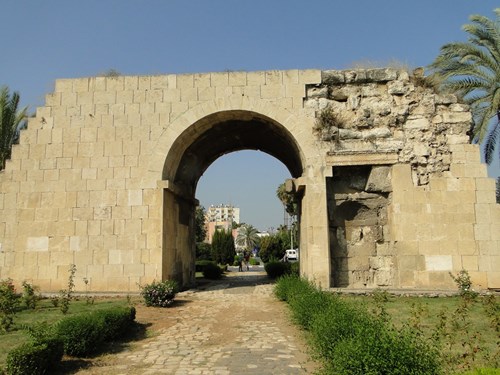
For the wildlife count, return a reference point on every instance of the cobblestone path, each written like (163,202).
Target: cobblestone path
(232,327)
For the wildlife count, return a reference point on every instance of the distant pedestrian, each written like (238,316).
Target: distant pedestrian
(240,263)
(247,260)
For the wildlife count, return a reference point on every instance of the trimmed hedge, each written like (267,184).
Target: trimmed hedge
(212,271)
(351,341)
(78,335)
(201,264)
(275,269)
(34,358)
(116,321)
(84,334)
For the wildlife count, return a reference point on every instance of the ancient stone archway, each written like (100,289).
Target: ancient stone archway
(105,175)
(191,154)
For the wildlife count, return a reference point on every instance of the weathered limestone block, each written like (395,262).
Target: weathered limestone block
(379,179)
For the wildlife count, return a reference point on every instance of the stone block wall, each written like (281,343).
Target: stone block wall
(93,180)
(85,183)
(439,213)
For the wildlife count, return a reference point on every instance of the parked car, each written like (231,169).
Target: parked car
(292,254)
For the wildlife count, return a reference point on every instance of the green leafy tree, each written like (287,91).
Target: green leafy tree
(11,119)
(288,199)
(272,248)
(203,251)
(472,70)
(223,250)
(247,237)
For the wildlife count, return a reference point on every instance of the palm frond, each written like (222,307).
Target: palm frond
(491,143)
(472,70)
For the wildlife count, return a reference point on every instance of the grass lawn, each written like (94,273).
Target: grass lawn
(468,333)
(46,313)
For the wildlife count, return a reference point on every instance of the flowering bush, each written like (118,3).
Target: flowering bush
(159,293)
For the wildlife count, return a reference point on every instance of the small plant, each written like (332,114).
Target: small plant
(88,299)
(417,312)
(380,298)
(159,293)
(9,302)
(464,284)
(327,123)
(65,295)
(55,301)
(110,73)
(29,297)
(492,310)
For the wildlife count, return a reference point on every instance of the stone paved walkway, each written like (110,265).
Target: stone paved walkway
(232,327)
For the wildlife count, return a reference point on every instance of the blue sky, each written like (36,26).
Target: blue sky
(46,40)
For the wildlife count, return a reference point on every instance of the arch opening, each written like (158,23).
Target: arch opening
(225,132)
(192,152)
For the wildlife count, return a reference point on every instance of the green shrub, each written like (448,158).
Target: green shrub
(82,334)
(34,357)
(289,285)
(378,351)
(464,284)
(116,321)
(29,296)
(305,306)
(351,341)
(212,272)
(304,298)
(254,262)
(294,268)
(159,293)
(275,269)
(484,371)
(201,264)
(9,302)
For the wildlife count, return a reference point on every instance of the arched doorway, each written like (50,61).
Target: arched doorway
(192,152)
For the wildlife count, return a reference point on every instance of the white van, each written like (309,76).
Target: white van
(292,254)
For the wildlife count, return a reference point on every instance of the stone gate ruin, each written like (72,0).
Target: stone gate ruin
(391,193)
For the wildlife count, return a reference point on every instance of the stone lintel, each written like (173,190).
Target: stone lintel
(337,159)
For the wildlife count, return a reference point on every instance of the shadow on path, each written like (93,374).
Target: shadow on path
(235,279)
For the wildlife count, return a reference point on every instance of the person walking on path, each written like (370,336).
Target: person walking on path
(240,262)
(247,260)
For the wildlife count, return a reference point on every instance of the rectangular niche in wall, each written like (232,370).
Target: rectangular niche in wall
(357,212)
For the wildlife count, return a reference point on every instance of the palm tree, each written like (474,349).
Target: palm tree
(247,237)
(288,199)
(472,70)
(10,121)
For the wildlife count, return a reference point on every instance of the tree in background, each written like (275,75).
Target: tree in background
(290,203)
(247,237)
(11,120)
(200,228)
(203,249)
(472,70)
(223,250)
(288,199)
(272,247)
